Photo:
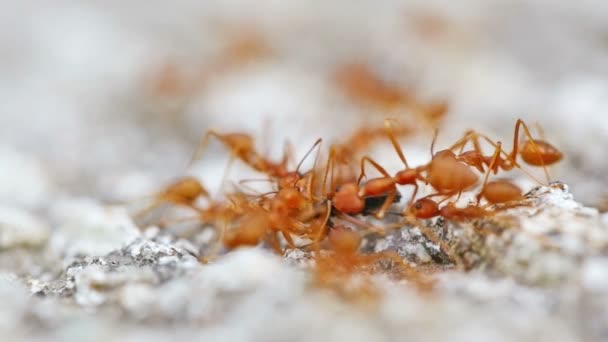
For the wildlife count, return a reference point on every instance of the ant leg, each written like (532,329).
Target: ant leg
(374,164)
(164,222)
(387,203)
(508,157)
(323,227)
(391,135)
(217,246)
(459,194)
(487,175)
(225,176)
(362,224)
(288,239)
(469,136)
(513,154)
(242,183)
(413,197)
(311,182)
(273,240)
(540,130)
(202,145)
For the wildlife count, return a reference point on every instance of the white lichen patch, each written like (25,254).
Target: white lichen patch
(86,228)
(19,228)
(553,237)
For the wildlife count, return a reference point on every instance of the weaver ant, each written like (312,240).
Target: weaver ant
(279,215)
(535,152)
(284,213)
(498,191)
(444,172)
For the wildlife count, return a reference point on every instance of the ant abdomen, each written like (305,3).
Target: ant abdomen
(501,191)
(539,153)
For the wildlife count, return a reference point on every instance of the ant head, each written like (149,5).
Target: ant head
(289,180)
(292,198)
(346,199)
(424,208)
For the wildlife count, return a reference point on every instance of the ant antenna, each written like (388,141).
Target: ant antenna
(374,164)
(317,143)
(513,155)
(288,154)
(267,193)
(435,134)
(202,145)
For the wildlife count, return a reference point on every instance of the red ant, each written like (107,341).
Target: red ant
(278,215)
(284,213)
(242,147)
(445,173)
(495,192)
(534,152)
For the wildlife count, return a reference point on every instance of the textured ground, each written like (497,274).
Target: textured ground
(89,118)
(538,273)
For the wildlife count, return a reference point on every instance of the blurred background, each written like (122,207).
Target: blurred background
(109,99)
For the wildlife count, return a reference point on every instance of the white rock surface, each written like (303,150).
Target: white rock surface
(80,123)
(523,290)
(86,228)
(19,228)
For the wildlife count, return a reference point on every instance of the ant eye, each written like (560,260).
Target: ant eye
(418,205)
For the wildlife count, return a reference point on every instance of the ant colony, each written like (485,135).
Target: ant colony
(329,210)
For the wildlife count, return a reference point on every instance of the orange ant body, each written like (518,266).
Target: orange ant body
(278,215)
(184,192)
(426,208)
(284,213)
(444,172)
(242,147)
(532,151)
